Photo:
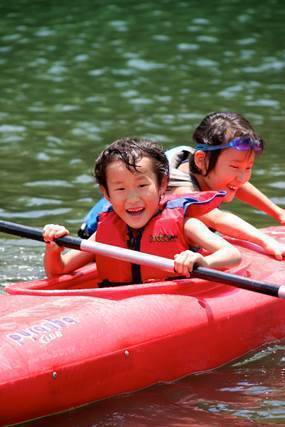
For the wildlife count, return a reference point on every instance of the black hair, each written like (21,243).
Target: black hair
(217,128)
(130,150)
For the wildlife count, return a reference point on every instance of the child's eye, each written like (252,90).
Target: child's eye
(143,185)
(119,189)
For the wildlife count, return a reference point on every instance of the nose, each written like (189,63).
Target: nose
(133,195)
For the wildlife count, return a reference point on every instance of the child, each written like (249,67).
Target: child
(226,147)
(205,165)
(133,176)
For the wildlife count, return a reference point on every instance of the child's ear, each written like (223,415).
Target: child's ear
(163,185)
(104,192)
(201,161)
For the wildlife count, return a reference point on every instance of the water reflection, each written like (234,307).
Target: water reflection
(20,260)
(242,394)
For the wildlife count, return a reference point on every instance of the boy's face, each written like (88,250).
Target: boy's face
(134,195)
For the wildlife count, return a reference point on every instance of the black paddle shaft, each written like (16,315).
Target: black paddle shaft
(235,280)
(36,234)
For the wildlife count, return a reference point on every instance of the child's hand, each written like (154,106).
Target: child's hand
(185,262)
(53,231)
(281,216)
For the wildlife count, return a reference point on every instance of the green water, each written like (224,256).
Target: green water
(77,75)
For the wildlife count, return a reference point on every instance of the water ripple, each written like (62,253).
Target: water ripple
(11,128)
(143,65)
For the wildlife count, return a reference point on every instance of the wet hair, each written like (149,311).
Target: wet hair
(130,151)
(219,128)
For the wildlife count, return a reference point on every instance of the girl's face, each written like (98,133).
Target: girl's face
(232,170)
(134,195)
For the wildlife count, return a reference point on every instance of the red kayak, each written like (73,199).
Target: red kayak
(65,342)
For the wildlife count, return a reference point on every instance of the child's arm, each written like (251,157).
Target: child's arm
(55,262)
(248,193)
(234,226)
(221,253)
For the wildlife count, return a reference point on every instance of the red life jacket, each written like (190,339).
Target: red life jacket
(163,235)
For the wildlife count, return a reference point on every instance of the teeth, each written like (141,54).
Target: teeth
(135,210)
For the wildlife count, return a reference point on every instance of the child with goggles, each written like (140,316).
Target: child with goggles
(223,158)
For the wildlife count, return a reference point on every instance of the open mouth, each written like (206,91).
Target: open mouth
(135,211)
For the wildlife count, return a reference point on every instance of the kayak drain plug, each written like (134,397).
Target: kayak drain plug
(54,375)
(126,353)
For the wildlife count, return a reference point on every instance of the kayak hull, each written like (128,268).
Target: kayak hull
(65,343)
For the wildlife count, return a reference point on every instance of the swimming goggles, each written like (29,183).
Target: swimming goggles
(241,143)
